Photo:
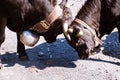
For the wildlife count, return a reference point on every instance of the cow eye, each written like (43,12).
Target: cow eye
(85,27)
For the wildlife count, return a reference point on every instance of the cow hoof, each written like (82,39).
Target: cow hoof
(24,58)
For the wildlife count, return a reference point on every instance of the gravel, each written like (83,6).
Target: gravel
(59,61)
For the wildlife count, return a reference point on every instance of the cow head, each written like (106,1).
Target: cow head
(81,37)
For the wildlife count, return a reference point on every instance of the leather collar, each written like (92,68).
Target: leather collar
(44,25)
(90,29)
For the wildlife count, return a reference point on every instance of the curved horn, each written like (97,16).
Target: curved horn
(80,33)
(65,31)
(70,30)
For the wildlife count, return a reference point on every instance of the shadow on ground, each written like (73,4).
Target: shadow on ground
(104,61)
(111,45)
(60,54)
(57,54)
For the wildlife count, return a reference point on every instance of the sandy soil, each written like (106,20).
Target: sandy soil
(59,61)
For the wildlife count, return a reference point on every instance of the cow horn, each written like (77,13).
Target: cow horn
(70,30)
(65,31)
(80,33)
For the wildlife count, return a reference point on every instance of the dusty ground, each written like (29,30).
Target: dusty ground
(58,61)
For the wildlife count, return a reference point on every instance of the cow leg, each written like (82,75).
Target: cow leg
(21,49)
(3,21)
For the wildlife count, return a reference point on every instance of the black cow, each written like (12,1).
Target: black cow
(19,15)
(95,18)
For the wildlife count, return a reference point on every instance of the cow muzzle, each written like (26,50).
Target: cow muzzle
(29,38)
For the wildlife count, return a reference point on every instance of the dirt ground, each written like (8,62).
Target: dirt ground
(59,61)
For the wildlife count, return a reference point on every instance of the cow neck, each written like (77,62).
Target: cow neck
(57,11)
(89,28)
(45,24)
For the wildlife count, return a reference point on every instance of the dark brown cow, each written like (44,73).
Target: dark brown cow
(95,18)
(19,15)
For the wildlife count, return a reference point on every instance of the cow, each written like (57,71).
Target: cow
(95,19)
(20,15)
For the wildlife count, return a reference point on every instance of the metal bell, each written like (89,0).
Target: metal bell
(29,38)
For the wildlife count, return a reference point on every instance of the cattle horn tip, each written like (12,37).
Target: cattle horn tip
(80,33)
(70,30)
